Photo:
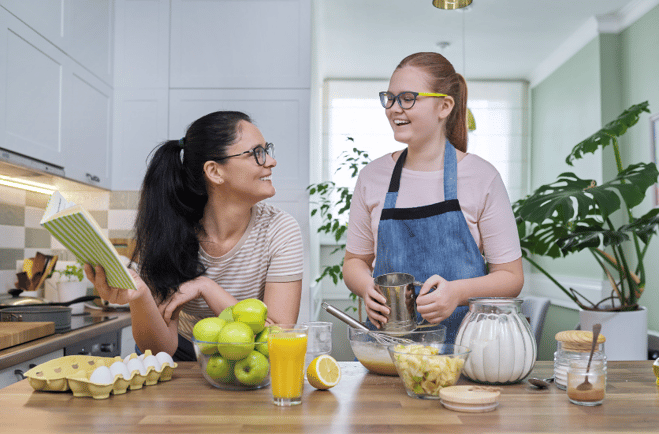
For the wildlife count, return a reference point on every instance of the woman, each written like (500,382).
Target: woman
(431,210)
(204,239)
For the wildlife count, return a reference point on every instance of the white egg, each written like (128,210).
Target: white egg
(102,375)
(127,358)
(152,361)
(136,365)
(120,368)
(141,356)
(163,358)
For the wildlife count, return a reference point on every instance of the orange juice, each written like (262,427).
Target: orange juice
(287,349)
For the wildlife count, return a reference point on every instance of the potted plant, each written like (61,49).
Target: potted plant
(331,204)
(71,285)
(573,214)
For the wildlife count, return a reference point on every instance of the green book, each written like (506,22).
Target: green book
(78,231)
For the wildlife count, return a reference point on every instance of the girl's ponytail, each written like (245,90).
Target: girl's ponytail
(456,125)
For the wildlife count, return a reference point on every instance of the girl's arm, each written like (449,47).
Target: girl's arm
(283,301)
(357,275)
(503,280)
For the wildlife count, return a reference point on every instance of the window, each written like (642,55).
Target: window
(353,110)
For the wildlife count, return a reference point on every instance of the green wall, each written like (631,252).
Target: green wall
(609,74)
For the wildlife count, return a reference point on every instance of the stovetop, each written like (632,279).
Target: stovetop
(86,319)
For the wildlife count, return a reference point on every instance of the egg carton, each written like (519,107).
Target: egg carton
(99,376)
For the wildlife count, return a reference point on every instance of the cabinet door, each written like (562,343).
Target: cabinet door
(14,373)
(127,342)
(87,120)
(240,44)
(31,73)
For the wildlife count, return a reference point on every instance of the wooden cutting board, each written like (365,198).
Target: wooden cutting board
(16,333)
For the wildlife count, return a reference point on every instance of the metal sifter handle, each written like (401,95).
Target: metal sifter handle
(344,317)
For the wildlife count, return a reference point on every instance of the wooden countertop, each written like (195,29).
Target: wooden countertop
(361,402)
(30,350)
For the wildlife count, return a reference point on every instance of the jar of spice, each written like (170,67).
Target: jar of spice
(586,386)
(575,345)
(503,349)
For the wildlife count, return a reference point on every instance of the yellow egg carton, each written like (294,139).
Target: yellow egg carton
(82,376)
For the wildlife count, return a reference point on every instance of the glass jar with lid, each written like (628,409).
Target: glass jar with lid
(503,349)
(575,345)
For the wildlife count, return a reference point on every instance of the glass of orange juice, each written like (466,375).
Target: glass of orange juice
(287,346)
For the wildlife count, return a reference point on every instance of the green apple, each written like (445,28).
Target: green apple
(220,368)
(252,370)
(251,311)
(227,314)
(261,341)
(208,330)
(236,341)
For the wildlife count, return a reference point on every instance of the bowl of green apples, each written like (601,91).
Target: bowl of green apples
(232,349)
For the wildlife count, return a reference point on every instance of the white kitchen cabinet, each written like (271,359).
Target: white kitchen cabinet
(82,29)
(31,73)
(240,44)
(51,108)
(127,342)
(87,127)
(13,374)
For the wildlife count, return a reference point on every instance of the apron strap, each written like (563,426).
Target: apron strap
(450,172)
(394,184)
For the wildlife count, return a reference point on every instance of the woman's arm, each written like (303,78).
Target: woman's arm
(357,275)
(283,301)
(149,327)
(503,280)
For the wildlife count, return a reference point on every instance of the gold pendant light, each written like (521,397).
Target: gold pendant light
(451,4)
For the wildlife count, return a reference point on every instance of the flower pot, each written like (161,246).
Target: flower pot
(626,332)
(67,291)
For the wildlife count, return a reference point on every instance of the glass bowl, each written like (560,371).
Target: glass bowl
(374,355)
(221,372)
(427,368)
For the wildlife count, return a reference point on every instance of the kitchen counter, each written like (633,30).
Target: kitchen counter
(361,402)
(30,350)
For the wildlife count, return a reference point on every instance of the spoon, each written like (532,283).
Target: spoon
(541,384)
(596,332)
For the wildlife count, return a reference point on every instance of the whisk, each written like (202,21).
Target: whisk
(381,338)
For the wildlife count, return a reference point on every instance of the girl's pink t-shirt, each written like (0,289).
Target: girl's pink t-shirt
(481,193)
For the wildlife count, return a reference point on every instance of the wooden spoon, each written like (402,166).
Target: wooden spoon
(596,333)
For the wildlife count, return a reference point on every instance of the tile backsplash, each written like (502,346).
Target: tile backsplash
(22,237)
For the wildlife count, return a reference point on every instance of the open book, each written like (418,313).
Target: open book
(78,231)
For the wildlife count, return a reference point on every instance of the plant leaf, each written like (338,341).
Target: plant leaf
(604,137)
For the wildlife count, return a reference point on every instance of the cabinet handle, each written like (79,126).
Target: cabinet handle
(93,178)
(20,374)
(107,348)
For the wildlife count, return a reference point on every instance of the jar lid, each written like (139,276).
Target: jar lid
(470,399)
(578,340)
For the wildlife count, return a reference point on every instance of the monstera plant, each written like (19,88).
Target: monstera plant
(573,214)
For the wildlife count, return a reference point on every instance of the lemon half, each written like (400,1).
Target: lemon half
(324,372)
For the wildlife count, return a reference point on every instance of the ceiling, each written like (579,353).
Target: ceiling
(504,39)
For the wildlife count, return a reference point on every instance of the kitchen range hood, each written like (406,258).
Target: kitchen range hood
(30,171)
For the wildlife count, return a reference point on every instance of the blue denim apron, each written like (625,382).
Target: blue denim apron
(430,239)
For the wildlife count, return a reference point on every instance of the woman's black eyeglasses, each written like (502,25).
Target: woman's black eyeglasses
(259,152)
(405,100)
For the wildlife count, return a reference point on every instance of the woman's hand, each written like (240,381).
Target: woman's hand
(96,275)
(439,304)
(190,290)
(375,304)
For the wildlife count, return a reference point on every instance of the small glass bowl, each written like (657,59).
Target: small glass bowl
(223,377)
(374,355)
(425,369)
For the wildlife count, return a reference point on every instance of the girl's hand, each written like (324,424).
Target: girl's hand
(439,304)
(374,302)
(170,308)
(96,275)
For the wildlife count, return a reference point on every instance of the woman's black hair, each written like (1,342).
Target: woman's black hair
(173,199)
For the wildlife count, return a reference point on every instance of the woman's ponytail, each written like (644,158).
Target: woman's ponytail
(456,125)
(173,200)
